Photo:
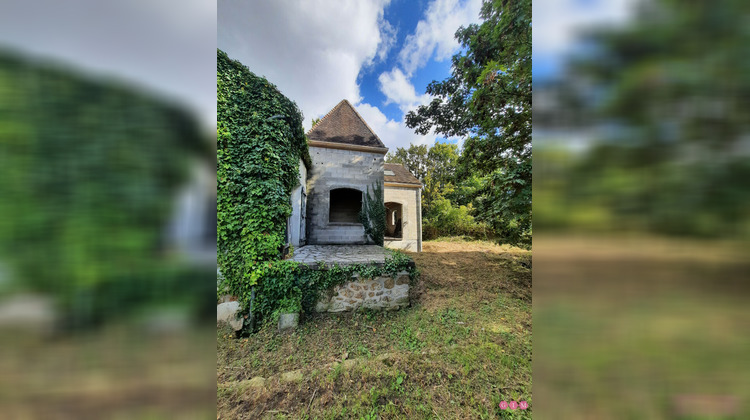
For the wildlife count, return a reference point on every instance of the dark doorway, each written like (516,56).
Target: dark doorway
(393,220)
(346,204)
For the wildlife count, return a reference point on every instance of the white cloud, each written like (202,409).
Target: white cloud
(400,91)
(557,22)
(312,50)
(435,33)
(388,39)
(394,134)
(166,46)
(433,36)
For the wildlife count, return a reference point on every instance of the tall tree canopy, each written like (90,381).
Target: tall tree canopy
(488,99)
(414,159)
(435,167)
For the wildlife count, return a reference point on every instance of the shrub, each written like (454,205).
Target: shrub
(444,219)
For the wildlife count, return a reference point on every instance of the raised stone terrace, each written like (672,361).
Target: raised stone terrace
(311,255)
(383,292)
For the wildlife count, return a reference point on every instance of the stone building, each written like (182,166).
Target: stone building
(347,160)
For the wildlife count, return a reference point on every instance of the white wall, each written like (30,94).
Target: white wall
(192,226)
(409,198)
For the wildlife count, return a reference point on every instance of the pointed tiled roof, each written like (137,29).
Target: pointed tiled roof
(401,175)
(344,125)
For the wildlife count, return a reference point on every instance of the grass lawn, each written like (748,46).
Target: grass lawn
(462,347)
(641,328)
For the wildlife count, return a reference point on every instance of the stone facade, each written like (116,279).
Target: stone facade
(409,199)
(334,168)
(378,293)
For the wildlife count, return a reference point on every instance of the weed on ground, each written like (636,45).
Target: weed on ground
(461,348)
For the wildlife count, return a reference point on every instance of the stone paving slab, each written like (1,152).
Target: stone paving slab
(311,255)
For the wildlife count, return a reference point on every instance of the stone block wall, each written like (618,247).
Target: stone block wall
(331,169)
(379,293)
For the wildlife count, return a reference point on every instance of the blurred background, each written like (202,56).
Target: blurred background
(107,209)
(641,194)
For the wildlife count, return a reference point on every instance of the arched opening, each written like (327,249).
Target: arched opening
(394,220)
(345,205)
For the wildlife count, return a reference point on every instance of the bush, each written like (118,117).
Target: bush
(443,219)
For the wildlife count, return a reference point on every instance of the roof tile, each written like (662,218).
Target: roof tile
(344,125)
(402,175)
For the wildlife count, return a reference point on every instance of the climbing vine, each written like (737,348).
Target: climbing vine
(290,285)
(260,141)
(372,215)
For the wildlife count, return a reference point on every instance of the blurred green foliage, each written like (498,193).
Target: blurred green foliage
(88,171)
(671,90)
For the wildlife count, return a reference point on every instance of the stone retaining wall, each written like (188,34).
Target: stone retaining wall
(379,293)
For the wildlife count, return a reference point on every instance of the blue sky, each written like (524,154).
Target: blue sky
(378,54)
(403,16)
(556,24)
(381,54)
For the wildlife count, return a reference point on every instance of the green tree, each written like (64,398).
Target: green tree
(414,159)
(674,84)
(467,189)
(435,166)
(442,160)
(488,99)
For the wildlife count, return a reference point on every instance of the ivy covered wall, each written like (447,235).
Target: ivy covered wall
(260,143)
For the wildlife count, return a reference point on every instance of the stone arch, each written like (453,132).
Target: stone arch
(344,205)
(394,220)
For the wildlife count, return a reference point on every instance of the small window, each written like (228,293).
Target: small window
(345,205)
(390,173)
